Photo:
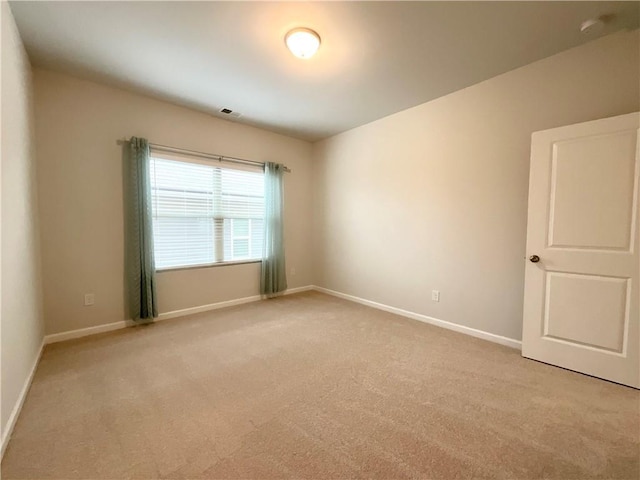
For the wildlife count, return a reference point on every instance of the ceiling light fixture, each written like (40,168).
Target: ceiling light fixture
(303,42)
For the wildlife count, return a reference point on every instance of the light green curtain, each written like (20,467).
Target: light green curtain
(140,259)
(273,279)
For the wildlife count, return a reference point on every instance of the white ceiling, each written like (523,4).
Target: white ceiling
(376,58)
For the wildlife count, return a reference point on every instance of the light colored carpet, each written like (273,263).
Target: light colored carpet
(310,386)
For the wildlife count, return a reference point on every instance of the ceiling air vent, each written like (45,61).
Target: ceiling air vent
(228,111)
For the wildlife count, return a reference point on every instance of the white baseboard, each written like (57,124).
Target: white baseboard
(306,288)
(6,434)
(84,332)
(227,303)
(108,327)
(492,337)
(206,308)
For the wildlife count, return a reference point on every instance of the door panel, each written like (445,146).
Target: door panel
(607,161)
(581,299)
(586,309)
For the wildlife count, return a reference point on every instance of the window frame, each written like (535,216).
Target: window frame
(185,158)
(207,265)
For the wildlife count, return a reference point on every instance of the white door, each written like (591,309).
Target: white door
(581,296)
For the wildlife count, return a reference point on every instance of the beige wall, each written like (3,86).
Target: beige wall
(80,188)
(435,197)
(22,326)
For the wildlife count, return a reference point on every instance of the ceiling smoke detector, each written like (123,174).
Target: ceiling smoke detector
(229,112)
(594,26)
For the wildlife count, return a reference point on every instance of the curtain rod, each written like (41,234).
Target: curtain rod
(209,156)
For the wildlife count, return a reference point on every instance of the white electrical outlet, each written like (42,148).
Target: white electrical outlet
(89,299)
(435,295)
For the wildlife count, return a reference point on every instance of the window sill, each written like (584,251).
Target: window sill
(207,265)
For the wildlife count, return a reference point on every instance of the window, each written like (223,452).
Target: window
(205,213)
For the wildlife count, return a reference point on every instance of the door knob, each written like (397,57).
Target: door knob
(534,258)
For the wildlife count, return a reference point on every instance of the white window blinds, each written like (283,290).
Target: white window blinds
(205,212)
